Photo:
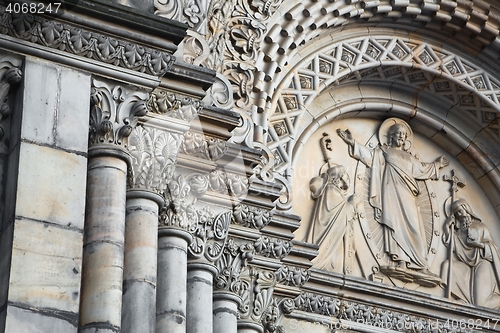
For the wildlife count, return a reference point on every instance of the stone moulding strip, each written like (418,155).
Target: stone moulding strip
(84,43)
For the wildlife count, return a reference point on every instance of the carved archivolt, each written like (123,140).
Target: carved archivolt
(89,44)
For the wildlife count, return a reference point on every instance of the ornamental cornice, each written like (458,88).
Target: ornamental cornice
(272,247)
(88,44)
(251,217)
(199,145)
(10,76)
(292,276)
(358,313)
(174,105)
(114,112)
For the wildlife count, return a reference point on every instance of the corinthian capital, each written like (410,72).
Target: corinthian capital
(114,112)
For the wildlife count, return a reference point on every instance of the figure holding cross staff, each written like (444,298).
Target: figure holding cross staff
(472,271)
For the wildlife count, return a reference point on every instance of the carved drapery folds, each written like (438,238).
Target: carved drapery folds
(114,113)
(154,156)
(10,75)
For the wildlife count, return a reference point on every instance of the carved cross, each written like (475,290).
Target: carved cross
(455,183)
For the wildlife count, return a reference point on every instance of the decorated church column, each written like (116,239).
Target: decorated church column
(114,112)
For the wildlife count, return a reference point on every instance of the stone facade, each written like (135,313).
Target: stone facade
(250,166)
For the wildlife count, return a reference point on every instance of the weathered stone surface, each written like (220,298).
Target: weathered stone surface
(31,320)
(55,181)
(54,256)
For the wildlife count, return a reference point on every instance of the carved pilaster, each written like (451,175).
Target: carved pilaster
(114,112)
(10,76)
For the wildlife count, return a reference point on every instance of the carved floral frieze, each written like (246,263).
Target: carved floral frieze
(292,276)
(272,247)
(174,105)
(190,12)
(251,216)
(198,145)
(114,112)
(228,183)
(89,44)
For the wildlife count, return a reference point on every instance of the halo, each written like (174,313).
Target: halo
(384,128)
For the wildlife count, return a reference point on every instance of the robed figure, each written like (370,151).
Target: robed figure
(475,270)
(393,191)
(331,226)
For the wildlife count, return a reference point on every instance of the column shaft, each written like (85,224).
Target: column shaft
(140,266)
(101,300)
(225,312)
(200,298)
(172,276)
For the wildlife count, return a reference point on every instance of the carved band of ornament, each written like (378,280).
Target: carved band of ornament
(10,76)
(292,276)
(198,145)
(229,265)
(257,287)
(272,247)
(209,235)
(228,183)
(181,195)
(174,105)
(190,12)
(114,113)
(372,315)
(154,157)
(89,44)
(251,217)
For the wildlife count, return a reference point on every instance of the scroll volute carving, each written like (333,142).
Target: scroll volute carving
(256,292)
(10,76)
(114,112)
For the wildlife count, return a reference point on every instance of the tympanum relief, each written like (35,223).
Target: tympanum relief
(376,198)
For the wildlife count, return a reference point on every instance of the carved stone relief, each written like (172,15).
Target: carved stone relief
(10,76)
(386,213)
(114,112)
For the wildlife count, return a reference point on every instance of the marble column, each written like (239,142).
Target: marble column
(140,265)
(104,236)
(225,312)
(172,275)
(200,297)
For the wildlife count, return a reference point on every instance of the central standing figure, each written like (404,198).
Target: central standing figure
(393,191)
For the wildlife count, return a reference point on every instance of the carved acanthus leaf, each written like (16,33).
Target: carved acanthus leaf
(114,112)
(197,145)
(228,183)
(292,276)
(274,314)
(181,196)
(272,247)
(154,156)
(251,216)
(256,292)
(209,235)
(89,44)
(229,265)
(174,105)
(10,75)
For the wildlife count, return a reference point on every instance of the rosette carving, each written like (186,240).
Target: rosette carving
(234,257)
(174,105)
(154,157)
(114,113)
